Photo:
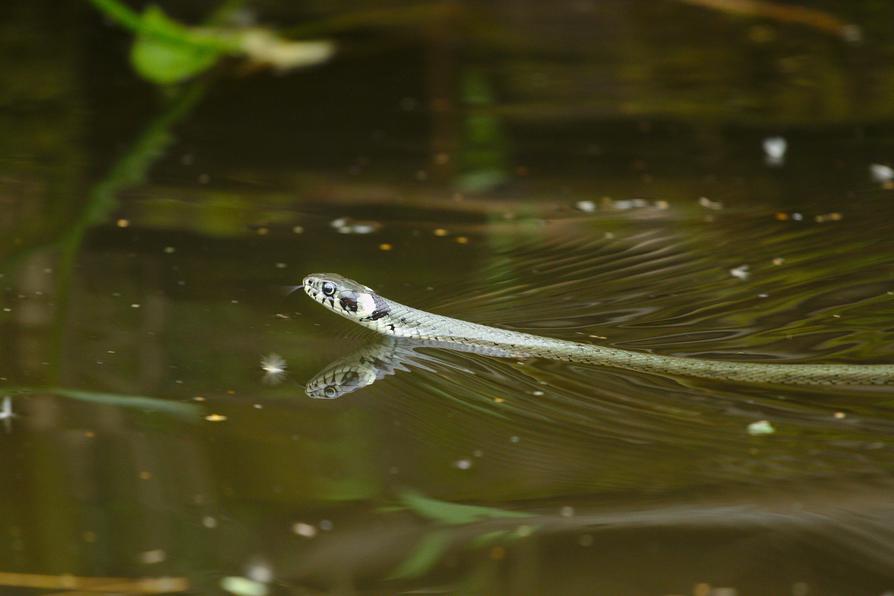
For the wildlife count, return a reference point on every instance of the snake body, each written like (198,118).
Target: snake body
(362,305)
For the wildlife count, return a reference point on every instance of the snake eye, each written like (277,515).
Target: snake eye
(330,390)
(328,288)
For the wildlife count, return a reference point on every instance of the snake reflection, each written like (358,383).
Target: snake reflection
(381,359)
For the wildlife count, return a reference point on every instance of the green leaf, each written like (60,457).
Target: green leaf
(453,513)
(165,52)
(423,557)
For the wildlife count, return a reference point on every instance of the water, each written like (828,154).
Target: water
(592,172)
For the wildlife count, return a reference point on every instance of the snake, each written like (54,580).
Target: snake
(364,306)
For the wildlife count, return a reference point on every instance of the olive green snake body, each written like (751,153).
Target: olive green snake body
(362,305)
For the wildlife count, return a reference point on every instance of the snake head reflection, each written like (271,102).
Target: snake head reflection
(340,379)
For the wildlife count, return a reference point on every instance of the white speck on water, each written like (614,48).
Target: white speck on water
(567,511)
(763,295)
(305,530)
(537,392)
(463,464)
(514,439)
(774,150)
(7,309)
(260,571)
(6,410)
(153,557)
(274,367)
(209,522)
(135,305)
(325,525)
(798,216)
(169,250)
(628,204)
(273,363)
(586,206)
(761,427)
(881,173)
(280,265)
(741,272)
(242,586)
(709,204)
(297,229)
(346,225)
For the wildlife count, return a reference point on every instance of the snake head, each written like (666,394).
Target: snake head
(345,297)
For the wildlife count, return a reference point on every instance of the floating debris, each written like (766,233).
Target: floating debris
(463,464)
(783,216)
(709,204)
(826,217)
(242,586)
(882,174)
(774,151)
(741,272)
(122,223)
(346,225)
(215,417)
(778,261)
(440,232)
(461,240)
(274,367)
(6,413)
(586,206)
(385,246)
(152,557)
(761,427)
(305,530)
(628,204)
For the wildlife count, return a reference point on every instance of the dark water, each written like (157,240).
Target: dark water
(586,171)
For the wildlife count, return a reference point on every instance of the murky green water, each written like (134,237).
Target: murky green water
(589,171)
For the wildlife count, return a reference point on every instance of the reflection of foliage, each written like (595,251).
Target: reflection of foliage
(130,170)
(437,542)
(452,513)
(138,402)
(166,51)
(810,17)
(484,147)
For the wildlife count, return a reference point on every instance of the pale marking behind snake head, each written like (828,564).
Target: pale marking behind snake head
(346,297)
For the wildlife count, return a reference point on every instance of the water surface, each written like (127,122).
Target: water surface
(592,172)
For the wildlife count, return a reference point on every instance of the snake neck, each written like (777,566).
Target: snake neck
(400,320)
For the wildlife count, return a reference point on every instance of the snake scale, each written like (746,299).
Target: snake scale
(362,305)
